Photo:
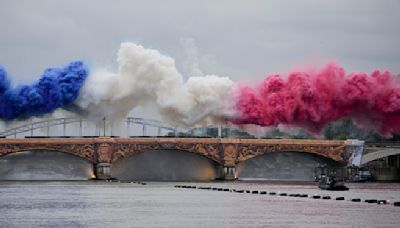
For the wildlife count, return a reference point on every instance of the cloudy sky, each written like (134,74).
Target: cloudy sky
(232,38)
(244,40)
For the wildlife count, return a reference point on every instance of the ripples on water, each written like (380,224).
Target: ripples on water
(159,204)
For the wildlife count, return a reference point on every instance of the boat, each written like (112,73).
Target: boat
(327,179)
(331,183)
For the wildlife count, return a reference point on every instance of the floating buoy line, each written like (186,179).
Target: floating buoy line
(272,193)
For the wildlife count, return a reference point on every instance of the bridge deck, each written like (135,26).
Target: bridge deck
(226,151)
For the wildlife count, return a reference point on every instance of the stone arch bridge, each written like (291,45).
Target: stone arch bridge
(104,151)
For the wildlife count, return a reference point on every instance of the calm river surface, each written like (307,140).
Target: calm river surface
(159,204)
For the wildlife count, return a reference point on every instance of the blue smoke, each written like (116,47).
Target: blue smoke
(57,88)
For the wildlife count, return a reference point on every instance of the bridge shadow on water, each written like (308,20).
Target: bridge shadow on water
(283,166)
(44,165)
(166,165)
(161,165)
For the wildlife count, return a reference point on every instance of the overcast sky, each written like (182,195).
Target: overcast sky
(239,39)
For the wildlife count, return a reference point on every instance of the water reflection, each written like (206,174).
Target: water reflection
(166,165)
(290,166)
(44,165)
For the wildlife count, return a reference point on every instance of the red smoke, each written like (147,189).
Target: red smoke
(313,99)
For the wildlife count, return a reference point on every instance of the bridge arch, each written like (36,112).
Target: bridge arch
(335,152)
(284,166)
(166,165)
(85,152)
(209,151)
(382,153)
(44,164)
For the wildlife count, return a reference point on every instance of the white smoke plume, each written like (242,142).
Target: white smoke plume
(145,76)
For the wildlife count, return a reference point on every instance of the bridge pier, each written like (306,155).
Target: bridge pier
(103,171)
(229,173)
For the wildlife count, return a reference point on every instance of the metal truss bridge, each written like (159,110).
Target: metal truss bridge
(48,124)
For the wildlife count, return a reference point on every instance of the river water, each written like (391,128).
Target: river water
(160,204)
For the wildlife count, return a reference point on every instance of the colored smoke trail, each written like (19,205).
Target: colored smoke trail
(57,88)
(313,99)
(302,99)
(145,77)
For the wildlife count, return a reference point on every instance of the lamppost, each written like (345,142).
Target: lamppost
(104,126)
(226,128)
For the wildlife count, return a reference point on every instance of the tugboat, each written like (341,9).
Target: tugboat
(331,183)
(327,180)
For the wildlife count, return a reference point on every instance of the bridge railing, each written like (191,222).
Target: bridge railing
(47,124)
(30,127)
(148,122)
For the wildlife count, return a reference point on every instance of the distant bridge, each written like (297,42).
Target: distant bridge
(378,150)
(46,125)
